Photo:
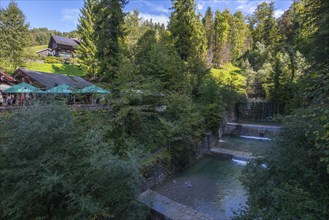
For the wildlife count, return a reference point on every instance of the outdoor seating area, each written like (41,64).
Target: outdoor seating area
(24,93)
(27,86)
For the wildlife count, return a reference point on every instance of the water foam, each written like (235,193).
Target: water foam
(256,138)
(240,162)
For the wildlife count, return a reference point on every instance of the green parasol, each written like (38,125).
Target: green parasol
(23,88)
(94,89)
(61,89)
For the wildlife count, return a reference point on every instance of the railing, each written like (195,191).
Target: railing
(80,107)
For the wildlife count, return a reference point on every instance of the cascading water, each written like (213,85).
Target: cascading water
(251,130)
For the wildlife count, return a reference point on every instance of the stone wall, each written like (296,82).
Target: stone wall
(160,167)
(256,110)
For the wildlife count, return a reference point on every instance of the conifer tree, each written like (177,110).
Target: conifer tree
(221,45)
(14,37)
(317,17)
(208,22)
(133,28)
(271,29)
(109,33)
(264,26)
(238,35)
(87,48)
(187,30)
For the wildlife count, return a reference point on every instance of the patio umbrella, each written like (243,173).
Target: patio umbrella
(23,88)
(61,89)
(94,89)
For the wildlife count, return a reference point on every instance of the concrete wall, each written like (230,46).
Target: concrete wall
(251,130)
(161,168)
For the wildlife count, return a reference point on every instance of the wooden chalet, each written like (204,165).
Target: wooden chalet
(44,80)
(6,81)
(62,46)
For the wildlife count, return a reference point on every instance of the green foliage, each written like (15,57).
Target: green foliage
(317,16)
(238,35)
(208,23)
(294,27)
(41,36)
(87,50)
(264,28)
(181,124)
(32,51)
(211,104)
(295,182)
(52,59)
(135,28)
(187,30)
(149,165)
(145,81)
(222,28)
(160,63)
(230,76)
(14,37)
(248,71)
(53,169)
(68,69)
(109,35)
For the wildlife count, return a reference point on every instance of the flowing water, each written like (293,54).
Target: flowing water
(254,146)
(211,186)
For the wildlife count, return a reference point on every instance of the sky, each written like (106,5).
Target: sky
(62,15)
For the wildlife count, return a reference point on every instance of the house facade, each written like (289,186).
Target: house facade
(6,82)
(62,46)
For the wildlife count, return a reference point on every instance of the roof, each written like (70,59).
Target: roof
(23,88)
(61,89)
(50,80)
(94,89)
(43,50)
(3,75)
(63,41)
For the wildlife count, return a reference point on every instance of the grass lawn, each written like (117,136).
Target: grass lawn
(67,69)
(35,49)
(229,75)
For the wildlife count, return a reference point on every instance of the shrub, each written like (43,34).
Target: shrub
(51,169)
(52,59)
(295,183)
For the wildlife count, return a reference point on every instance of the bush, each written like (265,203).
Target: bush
(295,183)
(51,169)
(52,59)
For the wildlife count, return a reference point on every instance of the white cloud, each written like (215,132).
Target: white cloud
(248,7)
(70,15)
(278,13)
(200,5)
(156,7)
(163,19)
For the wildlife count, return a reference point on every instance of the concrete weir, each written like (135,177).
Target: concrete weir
(238,155)
(251,129)
(169,208)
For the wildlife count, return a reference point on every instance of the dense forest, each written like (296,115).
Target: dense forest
(60,164)
(41,36)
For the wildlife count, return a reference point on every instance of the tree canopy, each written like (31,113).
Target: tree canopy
(14,37)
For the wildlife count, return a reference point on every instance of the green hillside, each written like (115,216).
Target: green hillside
(37,48)
(67,69)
